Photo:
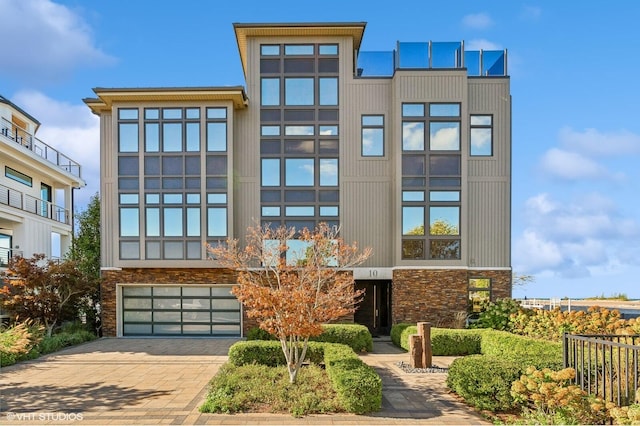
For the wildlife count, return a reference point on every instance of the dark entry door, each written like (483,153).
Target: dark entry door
(375,309)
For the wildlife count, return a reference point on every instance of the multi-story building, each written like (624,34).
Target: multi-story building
(408,151)
(36,189)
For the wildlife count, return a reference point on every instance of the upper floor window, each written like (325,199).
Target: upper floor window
(372,135)
(298,49)
(270,50)
(481,135)
(18,176)
(270,91)
(299,91)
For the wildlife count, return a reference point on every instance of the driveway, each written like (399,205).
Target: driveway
(163,381)
(118,381)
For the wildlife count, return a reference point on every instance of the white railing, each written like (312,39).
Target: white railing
(20,136)
(27,203)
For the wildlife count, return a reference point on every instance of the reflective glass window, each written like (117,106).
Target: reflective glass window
(413,136)
(328,91)
(151,114)
(129,222)
(444,220)
(129,198)
(412,195)
(298,91)
(193,113)
(299,172)
(128,114)
(172,137)
(268,211)
(217,198)
(444,110)
(128,137)
(299,211)
(173,222)
(445,165)
(444,249)
(270,172)
(217,222)
(270,91)
(298,49)
(299,130)
(413,110)
(270,50)
(328,210)
(152,221)
(444,196)
(444,136)
(328,49)
(172,113)
(216,113)
(152,137)
(328,131)
(193,136)
(413,220)
(270,131)
(216,137)
(193,222)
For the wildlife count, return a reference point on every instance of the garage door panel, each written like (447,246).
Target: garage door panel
(175,310)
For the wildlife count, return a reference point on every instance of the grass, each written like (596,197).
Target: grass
(258,388)
(614,296)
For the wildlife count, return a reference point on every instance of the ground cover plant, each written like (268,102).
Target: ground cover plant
(356,386)
(27,340)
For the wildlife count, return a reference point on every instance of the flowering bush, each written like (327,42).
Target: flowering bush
(549,398)
(18,341)
(551,325)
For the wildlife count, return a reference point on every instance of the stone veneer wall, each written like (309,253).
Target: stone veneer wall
(156,276)
(436,295)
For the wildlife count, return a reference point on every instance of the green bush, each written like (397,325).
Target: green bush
(358,386)
(396,332)
(256,333)
(484,381)
(524,350)
(404,336)
(356,336)
(62,340)
(452,342)
(268,352)
(497,315)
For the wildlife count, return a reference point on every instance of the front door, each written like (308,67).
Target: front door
(375,309)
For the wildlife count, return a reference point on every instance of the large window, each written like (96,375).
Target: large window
(299,144)
(372,135)
(161,211)
(479,294)
(431,163)
(481,135)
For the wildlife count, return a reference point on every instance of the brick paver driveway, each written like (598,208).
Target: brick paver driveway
(163,381)
(118,381)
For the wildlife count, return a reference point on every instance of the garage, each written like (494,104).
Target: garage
(167,310)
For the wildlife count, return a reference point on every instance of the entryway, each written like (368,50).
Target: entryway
(375,309)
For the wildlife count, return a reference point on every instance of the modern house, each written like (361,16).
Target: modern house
(408,151)
(36,189)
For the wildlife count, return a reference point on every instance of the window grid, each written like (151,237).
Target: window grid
(299,134)
(431,164)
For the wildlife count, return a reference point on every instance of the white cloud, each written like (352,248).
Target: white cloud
(562,164)
(412,136)
(44,41)
(445,138)
(594,143)
(574,238)
(71,129)
(479,21)
(481,44)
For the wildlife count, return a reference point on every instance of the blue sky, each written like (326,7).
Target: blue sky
(576,132)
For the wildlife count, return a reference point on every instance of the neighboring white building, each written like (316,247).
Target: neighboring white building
(36,189)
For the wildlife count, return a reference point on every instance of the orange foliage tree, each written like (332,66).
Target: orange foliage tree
(293,282)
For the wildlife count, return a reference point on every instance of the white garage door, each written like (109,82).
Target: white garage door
(180,311)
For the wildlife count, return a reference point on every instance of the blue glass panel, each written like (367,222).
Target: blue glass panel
(152,137)
(472,62)
(493,62)
(216,137)
(444,196)
(375,64)
(173,222)
(328,172)
(412,220)
(445,54)
(444,220)
(444,136)
(412,195)
(216,113)
(172,137)
(270,172)
(153,222)
(217,222)
(129,222)
(299,91)
(299,172)
(413,55)
(328,210)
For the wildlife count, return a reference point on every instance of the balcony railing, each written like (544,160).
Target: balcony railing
(27,203)
(28,141)
(432,55)
(6,254)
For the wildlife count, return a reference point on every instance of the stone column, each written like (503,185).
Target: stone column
(415,351)
(424,331)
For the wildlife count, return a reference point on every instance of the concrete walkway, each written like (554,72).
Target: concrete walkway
(163,381)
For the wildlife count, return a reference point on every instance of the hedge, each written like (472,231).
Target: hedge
(358,386)
(356,336)
(485,381)
(524,350)
(444,341)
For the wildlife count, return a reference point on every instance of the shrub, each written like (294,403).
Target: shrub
(396,332)
(356,336)
(358,386)
(256,333)
(629,415)
(63,340)
(18,341)
(497,315)
(484,381)
(451,342)
(550,398)
(404,336)
(523,350)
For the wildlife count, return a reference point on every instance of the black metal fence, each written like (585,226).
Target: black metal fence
(606,365)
